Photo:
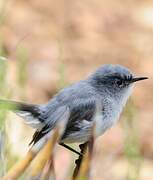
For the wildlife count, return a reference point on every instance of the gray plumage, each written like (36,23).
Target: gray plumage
(110,86)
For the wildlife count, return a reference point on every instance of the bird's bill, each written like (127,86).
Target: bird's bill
(139,79)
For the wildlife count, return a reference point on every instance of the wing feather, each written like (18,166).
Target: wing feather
(79,111)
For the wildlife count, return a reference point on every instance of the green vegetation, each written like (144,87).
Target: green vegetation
(131,141)
(22,59)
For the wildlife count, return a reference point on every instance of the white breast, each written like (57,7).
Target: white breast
(112,110)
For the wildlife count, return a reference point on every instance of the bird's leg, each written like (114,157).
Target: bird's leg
(71,149)
(78,162)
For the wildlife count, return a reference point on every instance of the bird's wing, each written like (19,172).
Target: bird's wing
(81,120)
(80,110)
(51,119)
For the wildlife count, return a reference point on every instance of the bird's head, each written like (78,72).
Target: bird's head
(115,79)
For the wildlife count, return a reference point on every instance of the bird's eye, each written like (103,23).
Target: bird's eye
(119,82)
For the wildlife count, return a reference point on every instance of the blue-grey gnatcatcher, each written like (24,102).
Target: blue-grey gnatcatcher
(110,86)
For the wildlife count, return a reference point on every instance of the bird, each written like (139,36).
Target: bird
(109,86)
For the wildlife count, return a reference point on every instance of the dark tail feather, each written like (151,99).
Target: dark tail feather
(31,113)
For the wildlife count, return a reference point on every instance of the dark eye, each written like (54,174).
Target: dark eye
(119,82)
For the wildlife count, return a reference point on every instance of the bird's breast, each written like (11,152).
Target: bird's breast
(108,117)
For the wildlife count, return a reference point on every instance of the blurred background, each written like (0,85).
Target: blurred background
(51,44)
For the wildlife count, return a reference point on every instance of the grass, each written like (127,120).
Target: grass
(4,92)
(61,69)
(131,142)
(3,116)
(22,60)
(3,5)
(6,156)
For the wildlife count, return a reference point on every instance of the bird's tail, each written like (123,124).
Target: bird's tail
(29,112)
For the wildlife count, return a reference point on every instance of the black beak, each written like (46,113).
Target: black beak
(138,79)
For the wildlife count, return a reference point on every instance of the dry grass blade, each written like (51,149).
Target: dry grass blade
(84,169)
(17,170)
(48,170)
(20,167)
(84,172)
(44,155)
